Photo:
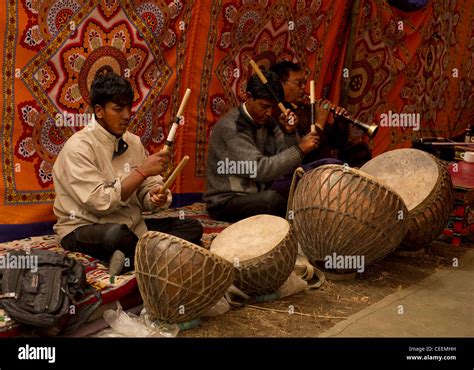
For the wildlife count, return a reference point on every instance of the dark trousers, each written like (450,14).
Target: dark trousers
(101,240)
(268,202)
(272,202)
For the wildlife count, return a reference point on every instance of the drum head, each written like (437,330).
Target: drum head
(250,238)
(412,173)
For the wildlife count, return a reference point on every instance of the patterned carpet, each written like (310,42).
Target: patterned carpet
(111,289)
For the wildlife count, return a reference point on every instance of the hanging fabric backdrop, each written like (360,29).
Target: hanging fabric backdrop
(366,55)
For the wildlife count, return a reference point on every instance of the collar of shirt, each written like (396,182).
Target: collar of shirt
(119,145)
(249,118)
(246,112)
(246,120)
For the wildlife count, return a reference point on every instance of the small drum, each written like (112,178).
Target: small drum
(178,280)
(342,214)
(263,251)
(424,184)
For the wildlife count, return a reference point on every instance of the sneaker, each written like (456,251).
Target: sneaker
(116,263)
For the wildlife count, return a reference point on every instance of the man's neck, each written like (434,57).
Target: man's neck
(100,122)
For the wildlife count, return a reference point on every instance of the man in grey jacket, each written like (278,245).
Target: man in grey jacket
(248,151)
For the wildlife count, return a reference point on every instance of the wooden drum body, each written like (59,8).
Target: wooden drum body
(263,251)
(178,280)
(340,210)
(425,186)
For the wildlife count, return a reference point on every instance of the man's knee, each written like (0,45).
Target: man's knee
(187,228)
(276,202)
(193,228)
(120,237)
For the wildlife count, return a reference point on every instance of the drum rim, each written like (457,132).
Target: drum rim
(438,165)
(252,260)
(248,268)
(216,258)
(370,178)
(442,174)
(256,261)
(413,238)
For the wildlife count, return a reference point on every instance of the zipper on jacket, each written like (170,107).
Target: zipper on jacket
(50,291)
(18,276)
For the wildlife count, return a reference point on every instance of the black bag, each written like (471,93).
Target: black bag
(39,288)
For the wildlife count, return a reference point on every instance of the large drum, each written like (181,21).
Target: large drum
(263,251)
(344,215)
(424,184)
(178,280)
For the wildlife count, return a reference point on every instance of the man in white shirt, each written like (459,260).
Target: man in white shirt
(104,180)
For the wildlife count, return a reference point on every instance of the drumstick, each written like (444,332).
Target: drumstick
(314,124)
(174,174)
(174,127)
(268,86)
(311,96)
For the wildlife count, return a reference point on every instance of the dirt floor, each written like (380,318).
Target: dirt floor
(311,312)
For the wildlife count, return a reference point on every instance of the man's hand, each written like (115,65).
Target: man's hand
(309,142)
(322,112)
(339,111)
(288,121)
(156,198)
(155,164)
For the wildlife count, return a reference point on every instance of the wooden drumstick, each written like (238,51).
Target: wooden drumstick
(174,174)
(311,96)
(174,127)
(268,86)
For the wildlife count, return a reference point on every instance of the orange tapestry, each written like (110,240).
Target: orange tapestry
(358,52)
(418,63)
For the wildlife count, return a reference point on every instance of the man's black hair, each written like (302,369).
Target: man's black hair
(110,87)
(259,91)
(284,68)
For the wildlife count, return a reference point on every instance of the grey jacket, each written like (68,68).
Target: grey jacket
(245,158)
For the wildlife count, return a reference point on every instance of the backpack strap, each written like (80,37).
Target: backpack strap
(83,315)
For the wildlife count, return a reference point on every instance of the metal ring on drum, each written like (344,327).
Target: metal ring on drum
(263,251)
(424,184)
(179,280)
(341,214)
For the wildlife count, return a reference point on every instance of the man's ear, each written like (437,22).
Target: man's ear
(99,111)
(248,96)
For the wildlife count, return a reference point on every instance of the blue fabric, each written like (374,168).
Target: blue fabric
(408,5)
(186,199)
(9,232)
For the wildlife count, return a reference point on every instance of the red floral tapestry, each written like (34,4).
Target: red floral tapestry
(51,53)
(363,54)
(411,62)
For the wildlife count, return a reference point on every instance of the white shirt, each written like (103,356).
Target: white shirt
(87,180)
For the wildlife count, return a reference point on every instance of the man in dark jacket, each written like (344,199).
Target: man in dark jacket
(248,151)
(335,135)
